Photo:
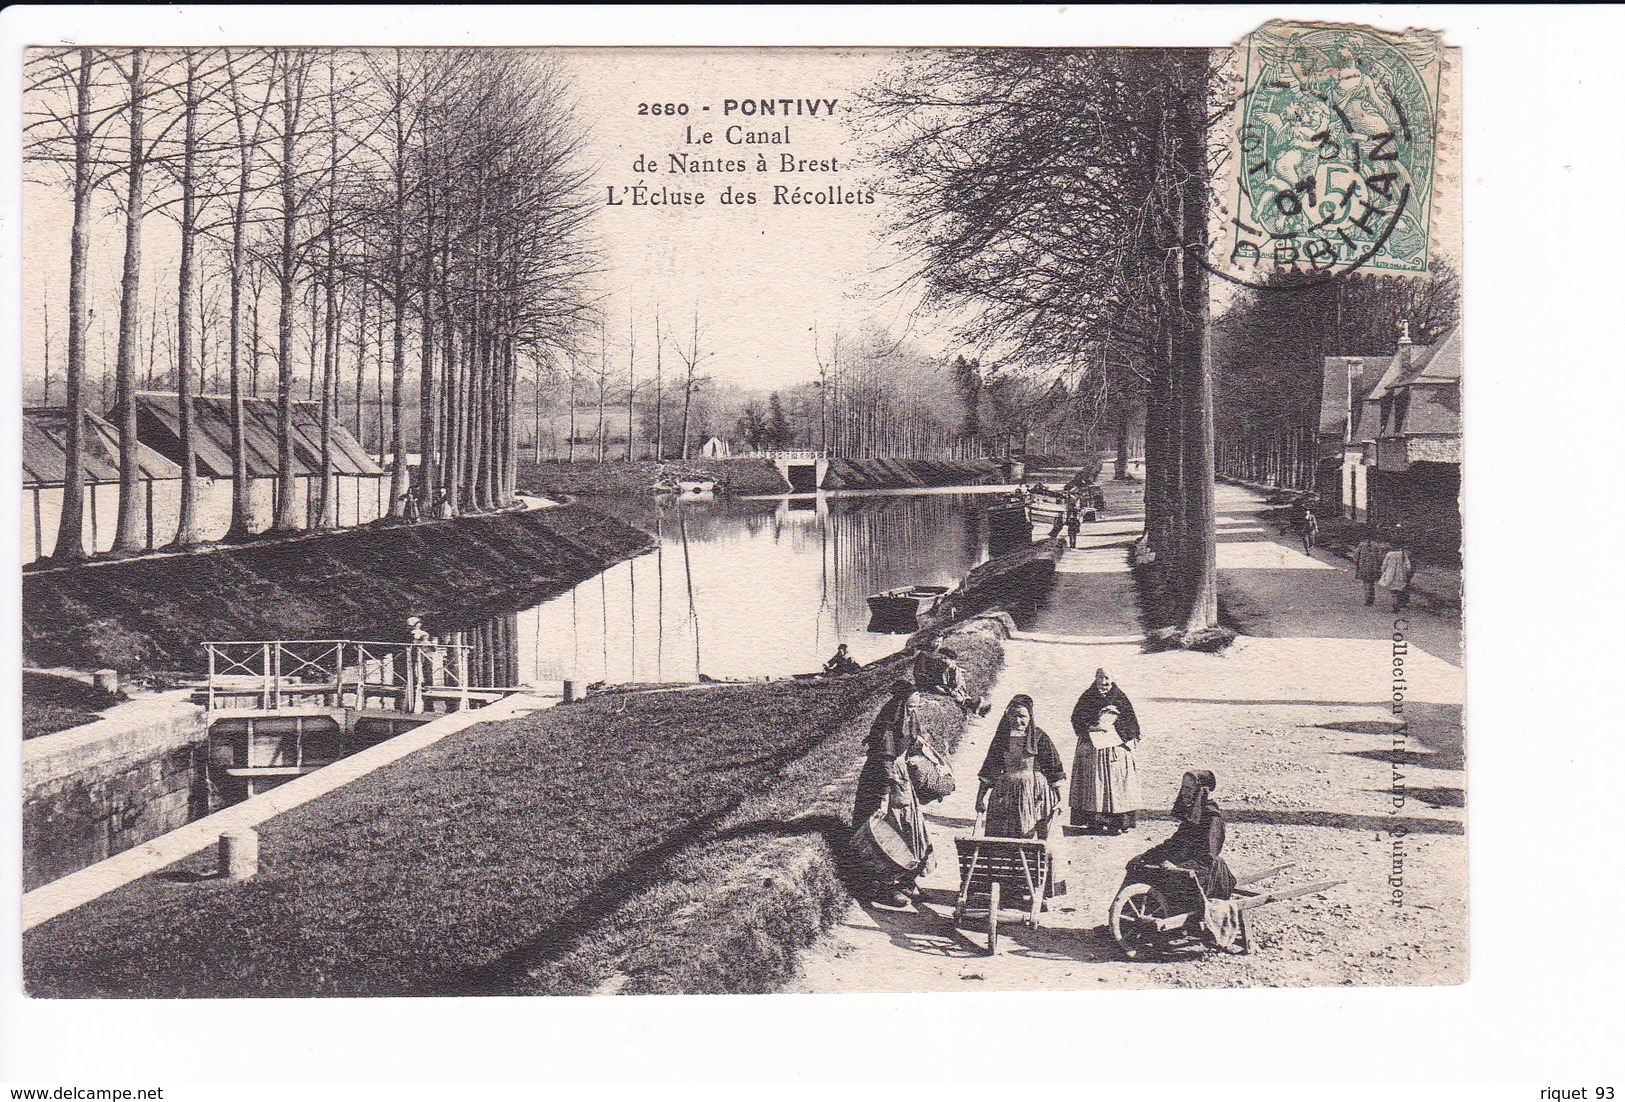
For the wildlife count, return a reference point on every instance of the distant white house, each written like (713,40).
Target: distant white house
(716,448)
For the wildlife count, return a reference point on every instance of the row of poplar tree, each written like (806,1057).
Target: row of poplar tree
(441,190)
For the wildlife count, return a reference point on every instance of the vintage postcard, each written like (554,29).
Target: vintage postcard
(569,521)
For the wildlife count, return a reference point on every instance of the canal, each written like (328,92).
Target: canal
(737,588)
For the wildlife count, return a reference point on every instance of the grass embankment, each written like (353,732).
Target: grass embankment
(903,474)
(362,583)
(1014,582)
(683,840)
(52,703)
(737,476)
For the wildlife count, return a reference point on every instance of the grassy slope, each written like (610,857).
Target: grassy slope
(360,583)
(888,474)
(57,703)
(468,867)
(729,913)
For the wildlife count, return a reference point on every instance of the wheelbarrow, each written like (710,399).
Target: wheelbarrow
(1161,909)
(998,876)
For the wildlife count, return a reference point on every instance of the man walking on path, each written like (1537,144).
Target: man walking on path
(1309,529)
(1368,566)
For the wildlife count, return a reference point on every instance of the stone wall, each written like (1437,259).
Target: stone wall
(93,791)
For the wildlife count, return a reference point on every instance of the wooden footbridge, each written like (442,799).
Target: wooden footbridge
(279,709)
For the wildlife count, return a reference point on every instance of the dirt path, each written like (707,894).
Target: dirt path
(1301,733)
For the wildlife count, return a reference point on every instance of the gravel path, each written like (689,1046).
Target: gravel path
(1301,732)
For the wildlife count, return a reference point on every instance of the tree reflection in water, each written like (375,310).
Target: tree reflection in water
(778,583)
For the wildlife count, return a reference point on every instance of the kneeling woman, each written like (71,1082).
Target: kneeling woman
(1199,838)
(1021,776)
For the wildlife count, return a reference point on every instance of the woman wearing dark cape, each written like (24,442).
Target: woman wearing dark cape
(885,789)
(1105,784)
(1020,777)
(1197,841)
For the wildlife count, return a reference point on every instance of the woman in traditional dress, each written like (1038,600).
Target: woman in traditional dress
(1105,783)
(884,788)
(1020,777)
(1199,838)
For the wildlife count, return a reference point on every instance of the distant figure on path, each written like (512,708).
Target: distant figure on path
(1309,530)
(1105,783)
(1020,777)
(1368,557)
(886,794)
(1397,570)
(1073,523)
(840,662)
(418,669)
(1198,839)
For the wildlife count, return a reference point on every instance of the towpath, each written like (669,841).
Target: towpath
(1295,719)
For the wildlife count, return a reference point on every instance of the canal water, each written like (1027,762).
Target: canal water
(739,588)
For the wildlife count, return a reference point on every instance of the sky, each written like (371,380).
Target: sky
(762,278)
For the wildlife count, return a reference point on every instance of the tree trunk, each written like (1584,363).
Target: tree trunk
(397,396)
(70,534)
(688,395)
(286,514)
(1193,358)
(186,527)
(428,491)
(131,512)
(660,443)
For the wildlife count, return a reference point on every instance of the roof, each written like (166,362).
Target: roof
(45,449)
(1429,365)
(211,436)
(1445,363)
(1334,388)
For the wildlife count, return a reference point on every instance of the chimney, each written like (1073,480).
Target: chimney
(1405,343)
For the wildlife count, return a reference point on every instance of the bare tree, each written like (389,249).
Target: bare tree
(291,72)
(68,78)
(131,513)
(691,357)
(1059,200)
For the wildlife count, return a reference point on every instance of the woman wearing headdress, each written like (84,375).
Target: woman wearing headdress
(1197,841)
(885,789)
(1105,783)
(1020,777)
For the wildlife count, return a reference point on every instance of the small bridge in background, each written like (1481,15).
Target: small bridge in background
(803,470)
(279,709)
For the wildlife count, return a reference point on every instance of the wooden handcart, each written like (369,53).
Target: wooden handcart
(995,873)
(1161,910)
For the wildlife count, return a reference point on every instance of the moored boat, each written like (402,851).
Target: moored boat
(904,606)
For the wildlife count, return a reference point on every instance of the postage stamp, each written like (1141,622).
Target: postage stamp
(1336,147)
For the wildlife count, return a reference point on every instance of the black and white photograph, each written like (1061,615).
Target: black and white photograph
(794,521)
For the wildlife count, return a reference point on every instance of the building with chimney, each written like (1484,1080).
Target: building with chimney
(1398,464)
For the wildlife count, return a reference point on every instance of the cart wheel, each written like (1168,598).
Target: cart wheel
(1134,924)
(993,919)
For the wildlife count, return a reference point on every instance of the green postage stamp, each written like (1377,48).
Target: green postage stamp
(1336,152)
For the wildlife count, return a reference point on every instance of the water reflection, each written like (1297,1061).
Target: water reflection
(741,589)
